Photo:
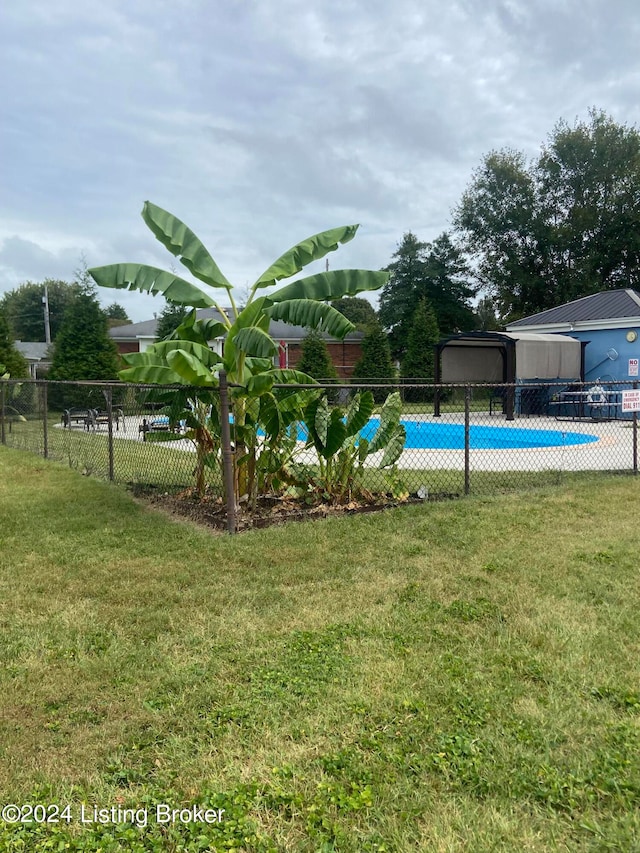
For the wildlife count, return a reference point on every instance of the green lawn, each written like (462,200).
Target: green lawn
(460,676)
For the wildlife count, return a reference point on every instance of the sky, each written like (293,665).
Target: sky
(261,122)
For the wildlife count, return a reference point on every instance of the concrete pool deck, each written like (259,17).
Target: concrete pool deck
(612,451)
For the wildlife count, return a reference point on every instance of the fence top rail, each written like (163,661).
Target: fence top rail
(392,382)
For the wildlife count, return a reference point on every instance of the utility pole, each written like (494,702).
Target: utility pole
(47,325)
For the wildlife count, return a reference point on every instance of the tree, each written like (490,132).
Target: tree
(249,349)
(434,271)
(11,361)
(360,311)
(375,363)
(116,315)
(423,336)
(82,350)
(170,318)
(315,359)
(561,227)
(418,362)
(486,318)
(24,309)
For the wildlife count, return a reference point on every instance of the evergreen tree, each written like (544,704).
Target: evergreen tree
(376,363)
(11,361)
(315,359)
(418,362)
(83,350)
(116,315)
(169,320)
(434,271)
(486,318)
(360,311)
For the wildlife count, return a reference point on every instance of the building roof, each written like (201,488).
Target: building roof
(493,338)
(277,329)
(32,350)
(607,305)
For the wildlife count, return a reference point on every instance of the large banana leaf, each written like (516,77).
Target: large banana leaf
(292,401)
(260,384)
(148,358)
(151,374)
(251,316)
(258,365)
(183,243)
(312,315)
(210,329)
(330,285)
(270,416)
(199,331)
(151,280)
(254,341)
(286,375)
(208,357)
(311,249)
(190,369)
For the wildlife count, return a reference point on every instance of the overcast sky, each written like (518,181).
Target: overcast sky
(260,122)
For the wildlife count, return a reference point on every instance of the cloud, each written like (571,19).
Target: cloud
(259,123)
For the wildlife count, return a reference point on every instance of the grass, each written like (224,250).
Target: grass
(135,461)
(455,677)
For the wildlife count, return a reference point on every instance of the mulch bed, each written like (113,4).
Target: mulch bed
(211,511)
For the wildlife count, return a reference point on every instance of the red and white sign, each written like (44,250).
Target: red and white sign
(631,401)
(633,367)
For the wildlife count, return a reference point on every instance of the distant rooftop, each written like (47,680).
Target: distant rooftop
(32,350)
(277,329)
(607,305)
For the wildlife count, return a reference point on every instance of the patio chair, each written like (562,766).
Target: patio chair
(497,395)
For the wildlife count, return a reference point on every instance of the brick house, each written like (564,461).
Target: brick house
(136,337)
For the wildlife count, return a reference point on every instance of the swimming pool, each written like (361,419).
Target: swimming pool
(425,435)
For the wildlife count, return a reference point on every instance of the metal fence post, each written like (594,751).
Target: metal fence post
(45,425)
(467,435)
(227,454)
(109,400)
(635,437)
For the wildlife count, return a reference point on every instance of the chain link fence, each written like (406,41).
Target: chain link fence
(456,439)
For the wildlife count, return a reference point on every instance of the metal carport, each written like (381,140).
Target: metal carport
(507,358)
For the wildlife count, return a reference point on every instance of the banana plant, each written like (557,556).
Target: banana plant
(249,349)
(13,393)
(342,448)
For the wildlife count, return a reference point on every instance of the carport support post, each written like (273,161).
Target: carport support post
(467,436)
(45,425)
(227,454)
(437,376)
(510,377)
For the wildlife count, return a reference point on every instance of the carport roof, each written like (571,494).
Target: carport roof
(491,338)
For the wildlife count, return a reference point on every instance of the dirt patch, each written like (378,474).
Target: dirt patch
(211,511)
